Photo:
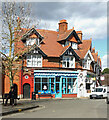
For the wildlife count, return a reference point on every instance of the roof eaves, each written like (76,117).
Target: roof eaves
(29,32)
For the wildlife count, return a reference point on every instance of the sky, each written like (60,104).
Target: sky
(89,17)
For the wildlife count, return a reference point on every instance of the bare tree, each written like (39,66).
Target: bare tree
(15,15)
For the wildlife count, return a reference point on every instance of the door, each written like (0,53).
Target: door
(58,86)
(26,90)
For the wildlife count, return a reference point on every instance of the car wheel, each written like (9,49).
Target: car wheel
(101,97)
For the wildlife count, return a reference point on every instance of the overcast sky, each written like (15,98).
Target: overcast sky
(89,17)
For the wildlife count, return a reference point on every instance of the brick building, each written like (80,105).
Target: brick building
(59,61)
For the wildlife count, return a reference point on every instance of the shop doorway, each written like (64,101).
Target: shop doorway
(26,90)
(58,86)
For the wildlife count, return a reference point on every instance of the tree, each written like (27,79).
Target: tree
(14,16)
(105,71)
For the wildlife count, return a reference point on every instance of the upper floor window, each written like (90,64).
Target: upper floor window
(31,41)
(66,43)
(68,62)
(74,45)
(86,64)
(34,61)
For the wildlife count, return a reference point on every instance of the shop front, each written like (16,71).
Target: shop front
(58,83)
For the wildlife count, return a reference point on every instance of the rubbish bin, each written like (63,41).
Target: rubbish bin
(33,96)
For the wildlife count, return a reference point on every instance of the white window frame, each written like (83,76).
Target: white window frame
(34,60)
(31,41)
(66,60)
(74,45)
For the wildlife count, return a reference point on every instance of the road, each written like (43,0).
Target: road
(67,108)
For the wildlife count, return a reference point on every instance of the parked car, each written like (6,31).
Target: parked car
(99,92)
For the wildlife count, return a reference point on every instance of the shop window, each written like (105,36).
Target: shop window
(68,85)
(37,87)
(44,84)
(57,79)
(37,80)
(34,61)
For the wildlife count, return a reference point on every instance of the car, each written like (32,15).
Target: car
(99,92)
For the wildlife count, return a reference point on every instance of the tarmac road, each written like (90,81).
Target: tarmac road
(67,108)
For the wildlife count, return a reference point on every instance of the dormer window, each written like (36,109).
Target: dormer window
(74,45)
(66,43)
(31,41)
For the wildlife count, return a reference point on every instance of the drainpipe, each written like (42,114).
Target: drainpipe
(21,77)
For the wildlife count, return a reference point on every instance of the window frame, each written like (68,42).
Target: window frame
(34,61)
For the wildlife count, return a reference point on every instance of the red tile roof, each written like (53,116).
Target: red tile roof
(83,48)
(52,48)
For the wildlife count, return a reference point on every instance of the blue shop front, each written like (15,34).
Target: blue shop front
(58,83)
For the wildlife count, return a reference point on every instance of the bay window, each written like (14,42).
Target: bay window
(34,61)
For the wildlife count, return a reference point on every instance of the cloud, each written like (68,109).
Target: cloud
(89,17)
(60,10)
(105,61)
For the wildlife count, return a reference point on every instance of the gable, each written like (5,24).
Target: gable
(69,52)
(75,37)
(35,50)
(68,35)
(88,54)
(32,33)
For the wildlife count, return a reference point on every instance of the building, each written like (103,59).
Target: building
(59,61)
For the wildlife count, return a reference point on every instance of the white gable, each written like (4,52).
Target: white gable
(89,55)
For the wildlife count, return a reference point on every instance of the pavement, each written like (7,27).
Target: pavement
(22,105)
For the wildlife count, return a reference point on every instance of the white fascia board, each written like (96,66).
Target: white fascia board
(89,54)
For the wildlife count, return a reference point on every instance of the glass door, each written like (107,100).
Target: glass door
(58,86)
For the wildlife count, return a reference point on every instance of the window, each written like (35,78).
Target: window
(86,64)
(68,62)
(68,85)
(74,45)
(42,84)
(31,41)
(34,61)
(66,43)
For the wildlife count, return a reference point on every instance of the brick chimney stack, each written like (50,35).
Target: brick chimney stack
(62,26)
(93,50)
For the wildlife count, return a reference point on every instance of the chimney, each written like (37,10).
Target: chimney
(62,26)
(93,50)
(80,35)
